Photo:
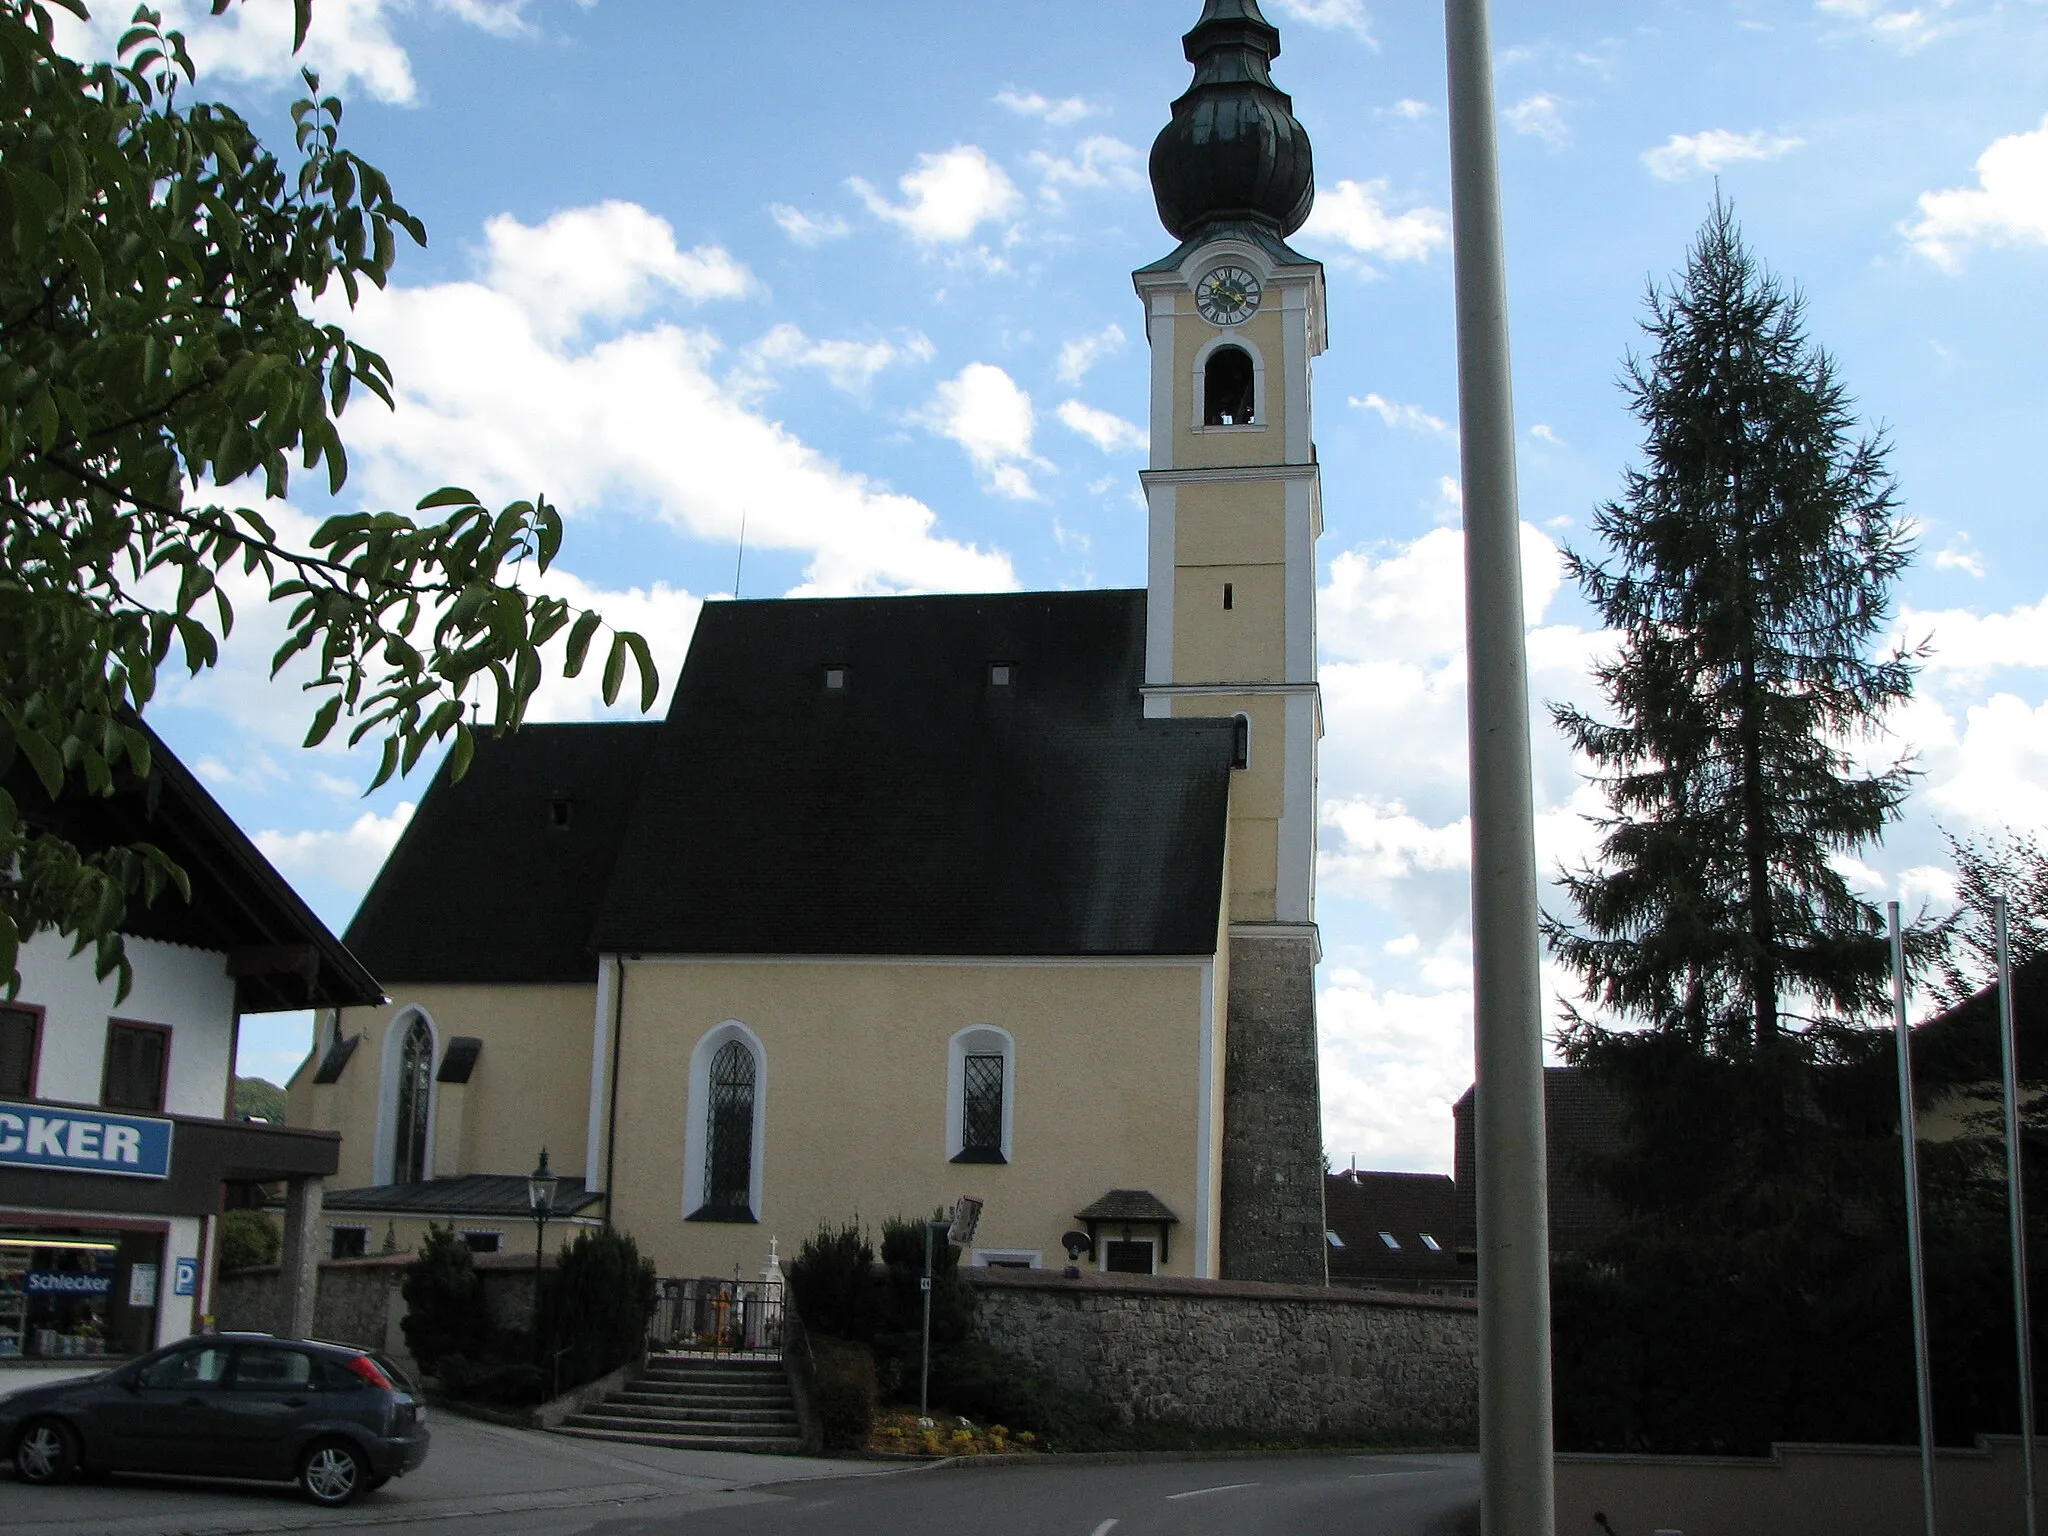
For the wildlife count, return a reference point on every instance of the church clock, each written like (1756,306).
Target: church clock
(1227,295)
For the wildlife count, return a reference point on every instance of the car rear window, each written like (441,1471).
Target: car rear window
(397,1373)
(273,1368)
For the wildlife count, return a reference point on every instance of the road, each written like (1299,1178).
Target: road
(481,1480)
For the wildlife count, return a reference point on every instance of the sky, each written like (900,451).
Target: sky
(855,278)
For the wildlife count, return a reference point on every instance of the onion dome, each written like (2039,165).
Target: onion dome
(1234,152)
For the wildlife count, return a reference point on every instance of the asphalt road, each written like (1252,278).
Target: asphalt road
(481,1479)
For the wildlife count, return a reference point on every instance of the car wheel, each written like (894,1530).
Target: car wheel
(333,1473)
(46,1452)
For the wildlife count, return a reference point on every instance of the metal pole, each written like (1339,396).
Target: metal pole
(1909,1125)
(2016,1208)
(1517,1494)
(924,1378)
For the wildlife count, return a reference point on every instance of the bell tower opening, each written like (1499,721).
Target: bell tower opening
(1228,387)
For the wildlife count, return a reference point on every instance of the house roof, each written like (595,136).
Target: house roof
(1128,1205)
(1583,1121)
(1961,1044)
(484,884)
(920,808)
(1359,1206)
(280,954)
(495,1196)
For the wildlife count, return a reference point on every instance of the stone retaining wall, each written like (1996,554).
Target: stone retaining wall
(1235,1355)
(359,1300)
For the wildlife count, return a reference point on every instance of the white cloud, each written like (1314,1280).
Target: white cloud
(1960,555)
(2008,206)
(1354,214)
(851,366)
(1370,846)
(1540,117)
(1394,1061)
(1545,434)
(1059,113)
(489,400)
(1906,28)
(1097,162)
(989,415)
(947,197)
(1408,109)
(1999,770)
(1107,431)
(808,229)
(349,857)
(603,263)
(1977,644)
(1338,15)
(1712,151)
(1407,418)
(351,43)
(1084,352)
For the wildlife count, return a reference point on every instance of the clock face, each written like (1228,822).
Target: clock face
(1227,296)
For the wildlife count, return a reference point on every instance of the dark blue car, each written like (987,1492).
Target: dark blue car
(339,1421)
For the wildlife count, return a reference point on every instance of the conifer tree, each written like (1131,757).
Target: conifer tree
(1748,575)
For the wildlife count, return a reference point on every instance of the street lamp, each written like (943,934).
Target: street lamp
(540,1201)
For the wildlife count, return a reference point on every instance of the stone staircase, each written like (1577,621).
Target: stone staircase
(699,1403)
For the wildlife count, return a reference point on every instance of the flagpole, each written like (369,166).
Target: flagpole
(2016,1207)
(1909,1125)
(1517,1486)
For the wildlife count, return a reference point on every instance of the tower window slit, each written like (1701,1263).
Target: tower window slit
(1228,388)
(1229,597)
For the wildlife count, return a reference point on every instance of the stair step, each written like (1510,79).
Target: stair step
(685,1392)
(627,1424)
(786,1446)
(617,1408)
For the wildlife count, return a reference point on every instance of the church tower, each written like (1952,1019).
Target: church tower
(1235,318)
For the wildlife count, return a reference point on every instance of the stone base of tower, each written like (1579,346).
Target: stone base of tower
(1272,1113)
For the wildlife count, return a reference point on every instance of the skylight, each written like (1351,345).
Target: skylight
(1431,1243)
(1388,1239)
(835,679)
(1335,1240)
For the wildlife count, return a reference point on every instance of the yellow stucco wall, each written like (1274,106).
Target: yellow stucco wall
(531,1087)
(1107,1095)
(1258,444)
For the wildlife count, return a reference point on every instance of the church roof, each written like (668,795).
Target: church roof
(487,884)
(922,808)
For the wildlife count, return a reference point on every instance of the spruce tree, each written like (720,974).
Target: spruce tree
(1748,577)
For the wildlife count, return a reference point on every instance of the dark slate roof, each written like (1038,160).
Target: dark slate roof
(1359,1206)
(1583,1121)
(483,885)
(1128,1205)
(492,1195)
(1961,1045)
(279,953)
(922,810)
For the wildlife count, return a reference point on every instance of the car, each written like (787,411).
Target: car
(337,1420)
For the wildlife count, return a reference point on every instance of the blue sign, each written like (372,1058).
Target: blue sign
(185,1277)
(52,1282)
(84,1141)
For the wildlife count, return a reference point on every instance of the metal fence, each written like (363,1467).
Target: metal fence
(718,1317)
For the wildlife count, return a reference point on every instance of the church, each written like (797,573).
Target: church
(910,898)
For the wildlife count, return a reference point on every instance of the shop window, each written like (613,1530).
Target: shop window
(67,1293)
(20,1031)
(137,1058)
(348,1242)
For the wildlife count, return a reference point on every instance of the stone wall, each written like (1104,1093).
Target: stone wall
(1222,1354)
(1272,1114)
(359,1300)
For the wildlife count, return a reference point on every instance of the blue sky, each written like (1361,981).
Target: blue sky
(858,275)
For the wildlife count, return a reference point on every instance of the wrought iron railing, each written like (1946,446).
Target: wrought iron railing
(718,1317)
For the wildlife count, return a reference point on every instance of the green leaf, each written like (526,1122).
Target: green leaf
(323,721)
(643,659)
(579,643)
(615,669)
(44,758)
(447,496)
(460,753)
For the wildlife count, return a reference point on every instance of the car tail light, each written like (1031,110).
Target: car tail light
(370,1371)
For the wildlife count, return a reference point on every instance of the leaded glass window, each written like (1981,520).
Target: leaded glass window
(981,1109)
(415,1093)
(729,1131)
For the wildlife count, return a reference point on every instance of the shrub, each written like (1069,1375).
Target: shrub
(983,1383)
(444,1302)
(832,1282)
(505,1383)
(846,1393)
(899,1324)
(596,1311)
(248,1240)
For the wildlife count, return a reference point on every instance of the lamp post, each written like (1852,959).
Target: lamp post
(540,1201)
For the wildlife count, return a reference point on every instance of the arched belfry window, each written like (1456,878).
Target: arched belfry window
(723,1143)
(415,1102)
(1229,388)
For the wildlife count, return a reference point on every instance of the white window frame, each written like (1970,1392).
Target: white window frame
(384,1161)
(1103,1241)
(347,1226)
(696,1132)
(984,1258)
(979,1040)
(1201,386)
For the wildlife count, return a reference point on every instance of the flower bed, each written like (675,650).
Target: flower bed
(900,1432)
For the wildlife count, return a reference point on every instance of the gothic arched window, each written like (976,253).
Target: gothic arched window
(1228,388)
(415,1097)
(729,1133)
